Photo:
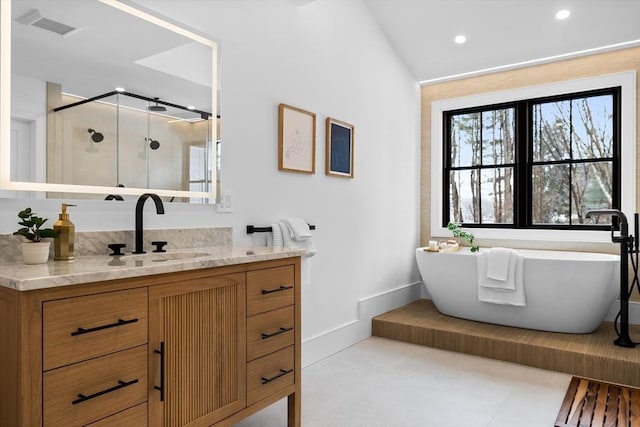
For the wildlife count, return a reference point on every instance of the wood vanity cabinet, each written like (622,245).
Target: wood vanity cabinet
(198,348)
(197,330)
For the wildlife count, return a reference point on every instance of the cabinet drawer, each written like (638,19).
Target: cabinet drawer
(81,328)
(267,375)
(269,289)
(88,391)
(269,332)
(136,416)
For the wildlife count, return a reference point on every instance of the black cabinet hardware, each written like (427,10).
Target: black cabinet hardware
(121,384)
(278,332)
(120,322)
(281,374)
(161,387)
(280,289)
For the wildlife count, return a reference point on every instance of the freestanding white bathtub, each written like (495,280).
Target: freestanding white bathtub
(564,291)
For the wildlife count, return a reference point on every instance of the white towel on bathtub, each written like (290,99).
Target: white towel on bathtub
(509,291)
(487,257)
(498,262)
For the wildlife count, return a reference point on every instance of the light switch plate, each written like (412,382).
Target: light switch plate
(226,199)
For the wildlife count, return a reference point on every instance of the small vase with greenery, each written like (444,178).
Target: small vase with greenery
(460,233)
(34,251)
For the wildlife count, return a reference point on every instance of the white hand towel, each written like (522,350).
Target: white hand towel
(306,243)
(298,228)
(499,294)
(484,280)
(293,236)
(275,238)
(498,263)
(286,235)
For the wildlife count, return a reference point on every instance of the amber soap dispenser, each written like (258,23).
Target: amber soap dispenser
(63,244)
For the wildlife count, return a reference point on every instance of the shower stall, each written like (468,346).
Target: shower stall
(123,139)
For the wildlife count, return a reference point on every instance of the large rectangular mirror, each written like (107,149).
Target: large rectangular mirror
(105,99)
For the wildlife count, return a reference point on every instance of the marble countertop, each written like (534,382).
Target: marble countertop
(96,268)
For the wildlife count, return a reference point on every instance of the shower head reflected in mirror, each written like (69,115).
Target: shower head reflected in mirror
(153,144)
(156,107)
(95,136)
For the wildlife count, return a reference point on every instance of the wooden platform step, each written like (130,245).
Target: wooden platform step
(583,355)
(590,403)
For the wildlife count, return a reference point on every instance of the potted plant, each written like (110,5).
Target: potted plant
(460,233)
(35,250)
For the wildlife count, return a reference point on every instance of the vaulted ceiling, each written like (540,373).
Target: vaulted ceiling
(500,33)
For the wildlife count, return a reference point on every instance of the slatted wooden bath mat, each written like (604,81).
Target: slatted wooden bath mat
(596,404)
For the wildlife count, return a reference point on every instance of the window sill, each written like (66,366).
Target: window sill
(572,236)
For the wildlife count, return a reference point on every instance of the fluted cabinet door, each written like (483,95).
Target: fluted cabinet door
(197,369)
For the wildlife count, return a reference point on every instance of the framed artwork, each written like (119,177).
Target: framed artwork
(296,140)
(339,148)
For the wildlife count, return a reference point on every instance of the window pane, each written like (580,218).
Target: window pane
(497,196)
(197,160)
(463,194)
(498,137)
(592,127)
(592,186)
(568,156)
(465,139)
(551,131)
(550,194)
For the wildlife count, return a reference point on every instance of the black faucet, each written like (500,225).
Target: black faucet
(623,227)
(626,246)
(139,206)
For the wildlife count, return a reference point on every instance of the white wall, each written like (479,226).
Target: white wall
(329,57)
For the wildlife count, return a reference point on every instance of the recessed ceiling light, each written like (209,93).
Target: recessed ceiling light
(460,39)
(563,14)
(191,107)
(120,89)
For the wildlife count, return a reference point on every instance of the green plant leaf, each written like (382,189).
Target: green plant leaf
(47,232)
(25,213)
(458,232)
(32,226)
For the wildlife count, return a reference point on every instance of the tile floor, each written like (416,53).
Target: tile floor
(384,383)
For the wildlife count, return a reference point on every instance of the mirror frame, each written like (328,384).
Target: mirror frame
(5,112)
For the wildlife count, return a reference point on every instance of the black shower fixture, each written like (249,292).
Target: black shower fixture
(95,136)
(153,143)
(157,107)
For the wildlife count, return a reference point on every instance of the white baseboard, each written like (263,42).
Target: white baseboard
(330,342)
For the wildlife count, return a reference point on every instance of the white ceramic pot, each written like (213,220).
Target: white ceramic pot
(35,253)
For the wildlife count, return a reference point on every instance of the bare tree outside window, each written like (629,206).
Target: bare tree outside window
(572,133)
(565,157)
(482,151)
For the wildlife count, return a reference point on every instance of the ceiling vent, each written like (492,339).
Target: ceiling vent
(34,19)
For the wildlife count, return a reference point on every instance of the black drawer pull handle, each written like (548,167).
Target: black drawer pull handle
(120,322)
(121,384)
(280,289)
(160,388)
(278,332)
(281,374)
